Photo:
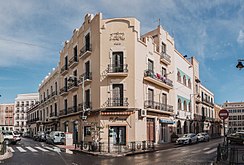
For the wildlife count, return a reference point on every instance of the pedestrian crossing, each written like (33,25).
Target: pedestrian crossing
(35,149)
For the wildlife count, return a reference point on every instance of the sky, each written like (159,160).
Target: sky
(32,33)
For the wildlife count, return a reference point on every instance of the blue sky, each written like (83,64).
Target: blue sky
(32,33)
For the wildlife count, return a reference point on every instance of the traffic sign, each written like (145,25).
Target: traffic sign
(223,114)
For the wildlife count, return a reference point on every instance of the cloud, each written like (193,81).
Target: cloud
(240,38)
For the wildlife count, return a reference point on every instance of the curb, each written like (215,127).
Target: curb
(8,154)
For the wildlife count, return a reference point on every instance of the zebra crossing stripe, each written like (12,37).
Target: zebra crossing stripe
(206,149)
(11,149)
(49,148)
(211,151)
(21,149)
(42,149)
(31,149)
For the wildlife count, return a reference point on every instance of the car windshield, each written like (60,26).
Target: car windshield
(186,135)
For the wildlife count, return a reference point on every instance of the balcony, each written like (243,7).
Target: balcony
(73,62)
(64,70)
(63,112)
(117,70)
(17,105)
(117,103)
(87,78)
(87,106)
(63,91)
(85,51)
(73,85)
(157,79)
(165,58)
(207,102)
(72,109)
(158,107)
(53,115)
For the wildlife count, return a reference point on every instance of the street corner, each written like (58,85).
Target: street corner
(8,154)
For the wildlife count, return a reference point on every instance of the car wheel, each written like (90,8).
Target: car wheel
(15,142)
(62,140)
(190,141)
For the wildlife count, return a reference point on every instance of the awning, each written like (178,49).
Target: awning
(166,121)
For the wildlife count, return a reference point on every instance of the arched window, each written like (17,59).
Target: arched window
(189,83)
(179,104)
(178,77)
(178,127)
(189,106)
(184,80)
(185,106)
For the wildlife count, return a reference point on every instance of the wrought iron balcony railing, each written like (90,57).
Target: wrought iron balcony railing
(123,68)
(117,102)
(85,50)
(158,77)
(88,105)
(158,106)
(166,57)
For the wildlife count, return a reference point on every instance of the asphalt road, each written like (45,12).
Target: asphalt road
(29,152)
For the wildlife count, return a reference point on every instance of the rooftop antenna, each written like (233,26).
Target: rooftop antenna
(159,22)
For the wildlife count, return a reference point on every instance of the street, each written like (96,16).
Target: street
(29,152)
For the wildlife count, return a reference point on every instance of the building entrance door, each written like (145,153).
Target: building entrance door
(164,134)
(151,130)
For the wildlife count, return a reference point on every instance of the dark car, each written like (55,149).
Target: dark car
(41,136)
(236,138)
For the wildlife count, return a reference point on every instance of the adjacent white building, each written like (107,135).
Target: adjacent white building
(22,103)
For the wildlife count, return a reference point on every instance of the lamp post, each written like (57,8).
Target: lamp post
(239,64)
(191,95)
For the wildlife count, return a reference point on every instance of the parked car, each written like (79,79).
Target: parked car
(56,137)
(203,137)
(11,137)
(187,139)
(41,136)
(236,138)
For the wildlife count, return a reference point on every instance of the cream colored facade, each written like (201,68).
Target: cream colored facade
(235,122)
(116,86)
(48,112)
(6,117)
(22,103)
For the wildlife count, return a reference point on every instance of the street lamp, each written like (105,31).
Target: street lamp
(240,65)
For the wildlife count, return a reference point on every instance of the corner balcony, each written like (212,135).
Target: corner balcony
(158,107)
(64,70)
(72,109)
(157,79)
(87,106)
(117,70)
(63,91)
(85,51)
(73,62)
(117,103)
(85,77)
(63,112)
(53,115)
(73,85)
(165,58)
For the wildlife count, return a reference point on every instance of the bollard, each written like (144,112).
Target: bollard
(133,146)
(218,153)
(143,145)
(81,145)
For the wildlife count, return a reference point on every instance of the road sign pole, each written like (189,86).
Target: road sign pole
(224,129)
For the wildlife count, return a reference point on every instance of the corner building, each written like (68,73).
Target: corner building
(114,84)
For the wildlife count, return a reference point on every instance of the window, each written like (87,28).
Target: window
(118,134)
(150,65)
(163,48)
(75,53)
(179,104)
(118,95)
(164,72)
(185,105)
(189,106)
(87,130)
(87,44)
(189,83)
(87,98)
(178,77)
(184,80)
(117,61)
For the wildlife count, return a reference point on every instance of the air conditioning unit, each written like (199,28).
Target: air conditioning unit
(142,113)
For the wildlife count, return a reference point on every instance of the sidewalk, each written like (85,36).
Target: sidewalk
(158,147)
(8,154)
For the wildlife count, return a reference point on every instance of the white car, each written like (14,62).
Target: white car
(56,137)
(11,137)
(187,139)
(203,137)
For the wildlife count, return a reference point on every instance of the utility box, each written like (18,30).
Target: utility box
(68,139)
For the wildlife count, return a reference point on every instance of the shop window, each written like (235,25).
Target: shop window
(87,131)
(118,134)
